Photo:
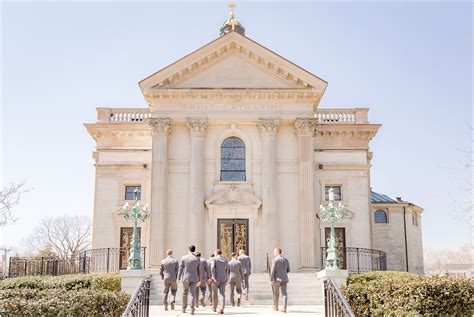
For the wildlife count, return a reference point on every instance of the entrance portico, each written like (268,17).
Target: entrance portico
(234,207)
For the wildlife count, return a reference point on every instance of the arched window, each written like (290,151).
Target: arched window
(233,160)
(380,216)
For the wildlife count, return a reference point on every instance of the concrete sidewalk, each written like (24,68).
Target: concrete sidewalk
(247,310)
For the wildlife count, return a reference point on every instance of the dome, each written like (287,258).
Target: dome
(232,24)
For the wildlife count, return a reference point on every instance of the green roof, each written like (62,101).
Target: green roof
(377,198)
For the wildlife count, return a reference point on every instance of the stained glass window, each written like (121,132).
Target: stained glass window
(233,160)
(380,216)
(130,192)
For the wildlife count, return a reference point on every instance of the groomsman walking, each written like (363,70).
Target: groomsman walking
(236,276)
(189,274)
(209,285)
(169,273)
(246,267)
(279,278)
(205,275)
(219,279)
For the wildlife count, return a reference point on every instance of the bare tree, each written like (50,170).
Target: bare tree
(67,236)
(9,198)
(437,260)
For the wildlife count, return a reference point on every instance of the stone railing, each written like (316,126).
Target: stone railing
(342,116)
(324,116)
(122,115)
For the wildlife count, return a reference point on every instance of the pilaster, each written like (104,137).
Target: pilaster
(269,129)
(159,171)
(197,129)
(308,236)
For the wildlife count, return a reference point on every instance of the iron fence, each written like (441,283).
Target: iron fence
(358,260)
(89,261)
(335,304)
(139,304)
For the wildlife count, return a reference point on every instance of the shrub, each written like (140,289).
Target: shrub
(397,293)
(108,281)
(60,302)
(75,295)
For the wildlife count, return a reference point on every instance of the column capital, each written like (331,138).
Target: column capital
(160,124)
(305,126)
(197,126)
(269,126)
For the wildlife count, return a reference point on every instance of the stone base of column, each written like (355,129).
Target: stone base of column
(338,276)
(129,279)
(308,269)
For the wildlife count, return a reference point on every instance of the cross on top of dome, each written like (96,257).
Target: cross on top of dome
(232,24)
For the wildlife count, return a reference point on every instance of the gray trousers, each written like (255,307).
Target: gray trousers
(201,289)
(235,285)
(218,287)
(174,287)
(276,293)
(245,284)
(189,288)
(209,289)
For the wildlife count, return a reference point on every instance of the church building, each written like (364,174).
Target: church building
(234,151)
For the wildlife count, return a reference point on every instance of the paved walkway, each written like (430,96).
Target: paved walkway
(248,310)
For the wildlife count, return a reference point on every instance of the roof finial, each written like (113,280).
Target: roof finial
(232,24)
(232,15)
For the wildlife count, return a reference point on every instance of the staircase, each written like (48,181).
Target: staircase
(303,289)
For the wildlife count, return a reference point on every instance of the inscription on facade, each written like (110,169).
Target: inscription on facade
(230,108)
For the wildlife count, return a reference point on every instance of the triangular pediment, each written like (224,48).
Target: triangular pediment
(234,71)
(233,61)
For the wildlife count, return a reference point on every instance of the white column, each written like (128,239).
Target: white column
(159,171)
(269,129)
(308,237)
(197,128)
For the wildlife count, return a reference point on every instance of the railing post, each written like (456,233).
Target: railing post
(358,265)
(108,259)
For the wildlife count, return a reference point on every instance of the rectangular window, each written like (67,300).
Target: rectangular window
(130,192)
(337,192)
(414,219)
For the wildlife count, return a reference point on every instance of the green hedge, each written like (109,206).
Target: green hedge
(399,293)
(58,302)
(75,295)
(109,282)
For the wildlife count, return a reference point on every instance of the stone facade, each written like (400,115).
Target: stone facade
(235,88)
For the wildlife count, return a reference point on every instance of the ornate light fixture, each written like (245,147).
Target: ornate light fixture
(137,214)
(332,214)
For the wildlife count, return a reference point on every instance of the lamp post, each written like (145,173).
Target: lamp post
(332,214)
(137,213)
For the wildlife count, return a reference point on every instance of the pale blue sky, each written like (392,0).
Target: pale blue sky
(410,63)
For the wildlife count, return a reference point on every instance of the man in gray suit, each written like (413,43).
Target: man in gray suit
(169,274)
(205,275)
(236,276)
(246,267)
(279,278)
(219,279)
(209,286)
(189,274)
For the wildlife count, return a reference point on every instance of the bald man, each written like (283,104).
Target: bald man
(169,274)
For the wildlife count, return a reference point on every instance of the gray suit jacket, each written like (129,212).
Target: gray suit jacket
(280,269)
(236,274)
(169,269)
(246,265)
(189,268)
(204,272)
(219,269)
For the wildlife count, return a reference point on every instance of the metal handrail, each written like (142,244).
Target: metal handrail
(89,261)
(335,304)
(357,260)
(139,303)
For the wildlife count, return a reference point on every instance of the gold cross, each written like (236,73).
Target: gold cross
(232,17)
